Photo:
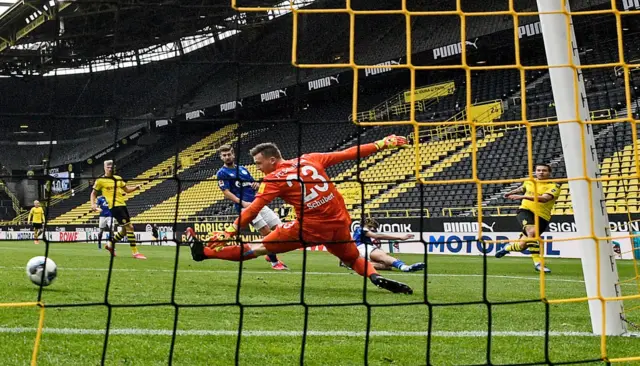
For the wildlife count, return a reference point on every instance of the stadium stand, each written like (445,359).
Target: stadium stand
(180,188)
(162,150)
(18,156)
(205,85)
(388,196)
(132,92)
(148,170)
(204,198)
(370,167)
(198,188)
(615,150)
(6,207)
(81,192)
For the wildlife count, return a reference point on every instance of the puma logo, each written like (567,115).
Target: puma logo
(489,227)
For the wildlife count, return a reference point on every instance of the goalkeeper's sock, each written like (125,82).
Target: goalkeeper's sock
(234,253)
(362,266)
(131,237)
(273,258)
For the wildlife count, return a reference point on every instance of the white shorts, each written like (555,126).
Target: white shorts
(366,250)
(266,218)
(106,223)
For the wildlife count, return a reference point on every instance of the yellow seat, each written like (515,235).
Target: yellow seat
(621,209)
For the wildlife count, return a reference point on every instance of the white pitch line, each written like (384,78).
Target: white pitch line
(284,333)
(289,273)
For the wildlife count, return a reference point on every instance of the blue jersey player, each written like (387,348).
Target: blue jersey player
(364,237)
(238,186)
(106,220)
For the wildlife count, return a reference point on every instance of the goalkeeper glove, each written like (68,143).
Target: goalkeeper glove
(220,239)
(230,231)
(225,235)
(392,142)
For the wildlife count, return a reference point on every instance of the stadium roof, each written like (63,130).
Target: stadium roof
(111,35)
(92,30)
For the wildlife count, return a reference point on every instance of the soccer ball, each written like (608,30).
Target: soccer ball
(37,272)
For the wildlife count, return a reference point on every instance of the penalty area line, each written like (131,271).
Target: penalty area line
(284,333)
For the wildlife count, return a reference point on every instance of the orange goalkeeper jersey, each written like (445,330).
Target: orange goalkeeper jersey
(319,205)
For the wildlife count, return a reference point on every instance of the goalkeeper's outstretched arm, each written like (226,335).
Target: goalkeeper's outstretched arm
(352,153)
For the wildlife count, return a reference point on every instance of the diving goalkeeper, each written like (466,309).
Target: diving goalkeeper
(322,215)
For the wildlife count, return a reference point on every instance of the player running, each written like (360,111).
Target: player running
(382,261)
(113,188)
(106,220)
(547,194)
(322,215)
(36,216)
(239,187)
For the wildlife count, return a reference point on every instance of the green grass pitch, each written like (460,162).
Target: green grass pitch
(207,335)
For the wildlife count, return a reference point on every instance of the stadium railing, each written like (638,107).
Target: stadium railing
(618,69)
(487,210)
(599,114)
(21,217)
(397,105)
(14,200)
(216,218)
(408,212)
(463,130)
(64,195)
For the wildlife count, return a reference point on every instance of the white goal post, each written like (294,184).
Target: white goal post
(573,135)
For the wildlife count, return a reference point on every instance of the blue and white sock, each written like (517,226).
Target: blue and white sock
(399,264)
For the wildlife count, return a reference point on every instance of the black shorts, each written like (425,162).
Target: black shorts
(121,215)
(526,217)
(37,225)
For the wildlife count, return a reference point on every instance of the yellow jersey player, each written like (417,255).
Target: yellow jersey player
(36,216)
(113,189)
(547,193)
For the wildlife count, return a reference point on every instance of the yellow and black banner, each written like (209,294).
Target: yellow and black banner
(431,91)
(485,113)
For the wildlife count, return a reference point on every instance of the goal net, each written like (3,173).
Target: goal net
(488,94)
